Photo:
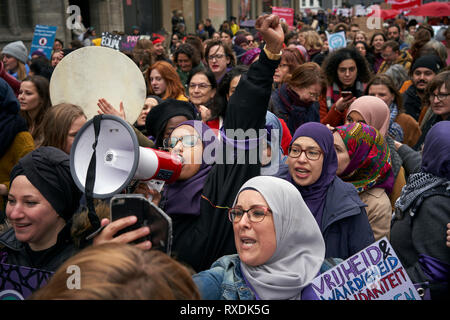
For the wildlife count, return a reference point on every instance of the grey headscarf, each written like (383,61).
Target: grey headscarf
(300,249)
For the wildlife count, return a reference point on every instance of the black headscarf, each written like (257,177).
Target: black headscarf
(159,115)
(48,170)
(11,123)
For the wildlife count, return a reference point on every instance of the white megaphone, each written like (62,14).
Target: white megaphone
(119,158)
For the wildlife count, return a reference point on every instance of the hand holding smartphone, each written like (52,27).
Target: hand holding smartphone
(346,95)
(147,214)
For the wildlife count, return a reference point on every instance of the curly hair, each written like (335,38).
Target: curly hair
(334,59)
(188,50)
(167,71)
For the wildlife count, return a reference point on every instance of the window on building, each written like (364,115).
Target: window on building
(24,12)
(3,13)
(303,3)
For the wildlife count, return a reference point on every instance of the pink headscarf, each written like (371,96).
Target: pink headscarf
(375,112)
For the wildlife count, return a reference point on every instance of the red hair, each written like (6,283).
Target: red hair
(167,71)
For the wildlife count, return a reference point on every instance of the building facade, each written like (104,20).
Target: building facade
(18,17)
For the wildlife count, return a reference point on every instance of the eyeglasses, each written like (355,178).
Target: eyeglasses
(216,56)
(311,154)
(187,141)
(314,95)
(440,96)
(202,86)
(255,214)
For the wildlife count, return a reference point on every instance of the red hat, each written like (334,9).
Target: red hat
(157,40)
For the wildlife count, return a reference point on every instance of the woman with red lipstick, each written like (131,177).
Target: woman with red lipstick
(335,204)
(220,59)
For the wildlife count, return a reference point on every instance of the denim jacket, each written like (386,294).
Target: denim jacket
(224,281)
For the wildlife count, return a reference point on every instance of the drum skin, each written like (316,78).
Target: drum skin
(88,74)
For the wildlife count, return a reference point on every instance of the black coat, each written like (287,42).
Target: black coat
(19,253)
(423,232)
(412,102)
(201,240)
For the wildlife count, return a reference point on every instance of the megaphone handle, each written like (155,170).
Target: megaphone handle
(154,185)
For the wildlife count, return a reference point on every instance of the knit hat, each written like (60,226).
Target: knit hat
(48,170)
(431,62)
(17,50)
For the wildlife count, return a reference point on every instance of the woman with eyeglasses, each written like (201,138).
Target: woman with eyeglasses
(202,94)
(220,58)
(297,100)
(335,204)
(364,161)
(268,216)
(291,58)
(211,175)
(438,94)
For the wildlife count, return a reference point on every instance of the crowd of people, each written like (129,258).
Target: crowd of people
(359,138)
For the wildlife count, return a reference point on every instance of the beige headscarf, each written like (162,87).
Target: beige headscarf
(300,247)
(374,111)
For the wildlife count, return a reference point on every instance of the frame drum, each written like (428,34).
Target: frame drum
(88,74)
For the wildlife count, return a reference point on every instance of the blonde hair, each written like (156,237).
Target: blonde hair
(21,71)
(313,40)
(115,271)
(57,122)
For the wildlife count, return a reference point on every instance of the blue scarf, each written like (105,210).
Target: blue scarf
(395,130)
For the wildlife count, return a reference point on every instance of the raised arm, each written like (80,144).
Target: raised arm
(248,105)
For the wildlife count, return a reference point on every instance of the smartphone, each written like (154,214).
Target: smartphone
(346,95)
(123,205)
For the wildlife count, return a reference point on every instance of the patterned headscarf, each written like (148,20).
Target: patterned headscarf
(370,160)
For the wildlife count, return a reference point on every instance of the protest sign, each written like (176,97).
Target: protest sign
(43,39)
(374,273)
(18,283)
(121,42)
(336,40)
(285,14)
(111,40)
